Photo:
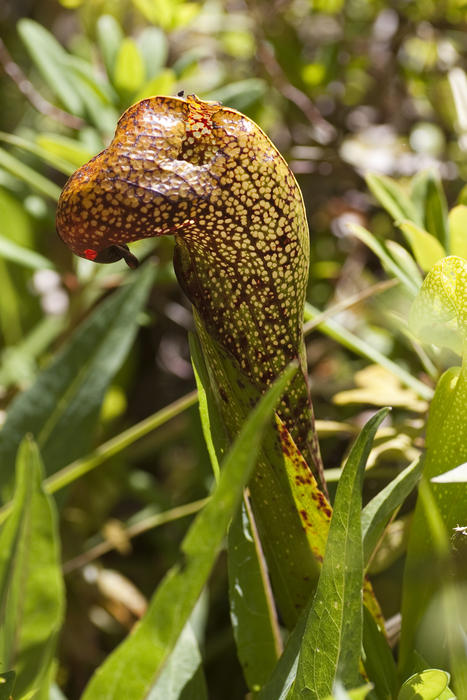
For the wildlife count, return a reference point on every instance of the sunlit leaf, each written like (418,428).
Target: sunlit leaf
(129,67)
(239,95)
(439,313)
(458,230)
(69,150)
(388,262)
(426,248)
(427,685)
(393,198)
(161,84)
(109,38)
(154,49)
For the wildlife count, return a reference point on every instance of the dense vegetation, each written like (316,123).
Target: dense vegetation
(367,101)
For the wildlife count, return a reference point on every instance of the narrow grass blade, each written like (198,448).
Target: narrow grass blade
(62,407)
(136,664)
(23,172)
(36,149)
(50,58)
(9,250)
(332,641)
(387,261)
(393,198)
(31,586)
(335,330)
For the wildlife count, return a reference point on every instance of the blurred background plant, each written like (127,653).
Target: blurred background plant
(342,88)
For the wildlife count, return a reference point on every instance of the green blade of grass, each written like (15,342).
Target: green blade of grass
(336,331)
(28,175)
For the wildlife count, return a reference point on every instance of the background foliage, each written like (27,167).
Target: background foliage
(343,88)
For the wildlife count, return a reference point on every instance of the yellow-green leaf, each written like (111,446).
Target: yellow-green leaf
(426,248)
(129,67)
(458,230)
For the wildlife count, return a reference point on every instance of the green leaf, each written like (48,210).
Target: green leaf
(405,262)
(377,512)
(7,684)
(15,223)
(68,150)
(427,685)
(426,248)
(32,178)
(138,661)
(428,195)
(213,429)
(387,261)
(458,84)
(355,694)
(427,565)
(458,230)
(31,586)
(332,641)
(62,407)
(252,611)
(129,67)
(439,313)
(154,48)
(283,675)
(182,677)
(109,39)
(393,198)
(161,84)
(378,659)
(29,146)
(239,95)
(23,256)
(51,60)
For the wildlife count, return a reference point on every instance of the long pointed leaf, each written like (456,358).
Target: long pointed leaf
(31,587)
(62,406)
(333,636)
